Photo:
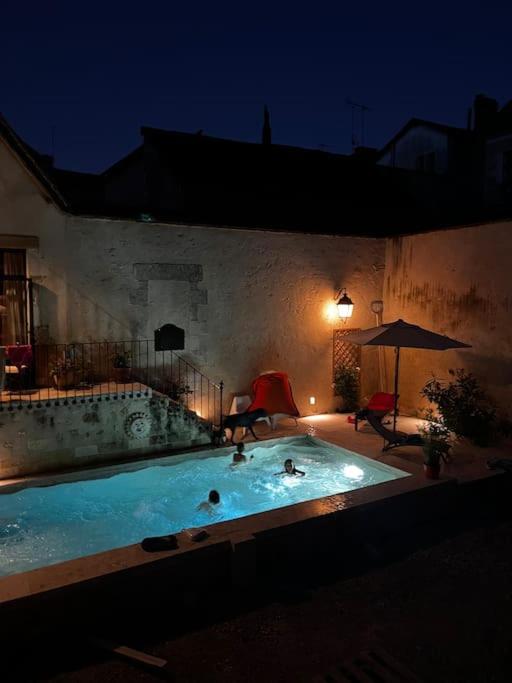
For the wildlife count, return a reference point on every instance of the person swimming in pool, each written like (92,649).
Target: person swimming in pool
(238,455)
(213,500)
(289,468)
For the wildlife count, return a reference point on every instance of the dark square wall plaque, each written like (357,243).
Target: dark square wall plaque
(169,338)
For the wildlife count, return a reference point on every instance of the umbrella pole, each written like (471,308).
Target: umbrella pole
(397,366)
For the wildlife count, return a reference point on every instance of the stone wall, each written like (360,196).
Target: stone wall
(249,301)
(73,434)
(455,282)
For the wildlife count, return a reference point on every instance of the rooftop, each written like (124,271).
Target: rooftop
(196,179)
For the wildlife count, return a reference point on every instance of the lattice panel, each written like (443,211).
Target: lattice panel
(345,354)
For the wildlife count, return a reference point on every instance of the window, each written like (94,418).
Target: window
(13,297)
(426,162)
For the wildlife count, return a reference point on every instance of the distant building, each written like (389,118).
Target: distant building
(190,177)
(476,161)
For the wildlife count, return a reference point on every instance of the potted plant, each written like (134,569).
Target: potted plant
(65,373)
(179,392)
(436,444)
(121,367)
(346,385)
(465,408)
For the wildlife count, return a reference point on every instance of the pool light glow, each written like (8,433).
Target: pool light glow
(352,472)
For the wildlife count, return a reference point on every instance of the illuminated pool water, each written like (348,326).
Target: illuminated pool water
(43,526)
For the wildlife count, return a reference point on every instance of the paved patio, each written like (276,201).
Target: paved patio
(444,612)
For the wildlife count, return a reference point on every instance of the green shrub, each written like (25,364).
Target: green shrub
(346,385)
(121,359)
(465,408)
(436,438)
(178,391)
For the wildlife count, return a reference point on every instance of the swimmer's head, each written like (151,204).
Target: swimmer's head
(214,497)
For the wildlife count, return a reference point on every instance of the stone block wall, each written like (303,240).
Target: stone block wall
(57,437)
(248,300)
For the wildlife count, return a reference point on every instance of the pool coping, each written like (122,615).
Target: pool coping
(224,536)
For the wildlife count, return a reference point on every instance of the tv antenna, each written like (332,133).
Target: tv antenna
(53,131)
(358,112)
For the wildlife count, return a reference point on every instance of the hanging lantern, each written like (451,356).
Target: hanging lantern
(345,306)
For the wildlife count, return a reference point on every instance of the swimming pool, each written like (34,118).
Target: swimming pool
(51,524)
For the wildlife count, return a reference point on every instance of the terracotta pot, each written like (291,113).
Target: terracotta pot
(121,375)
(64,380)
(432,471)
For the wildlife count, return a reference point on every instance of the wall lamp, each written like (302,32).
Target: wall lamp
(345,305)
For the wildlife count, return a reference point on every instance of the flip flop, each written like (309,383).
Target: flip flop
(197,535)
(155,544)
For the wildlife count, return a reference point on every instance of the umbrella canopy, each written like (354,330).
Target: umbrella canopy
(404,334)
(401,334)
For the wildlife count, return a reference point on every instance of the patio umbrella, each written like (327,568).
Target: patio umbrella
(401,334)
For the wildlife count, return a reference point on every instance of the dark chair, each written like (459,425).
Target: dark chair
(18,367)
(379,405)
(396,439)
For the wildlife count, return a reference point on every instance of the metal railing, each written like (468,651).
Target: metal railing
(93,371)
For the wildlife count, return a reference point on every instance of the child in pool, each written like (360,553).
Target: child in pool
(238,456)
(209,505)
(289,468)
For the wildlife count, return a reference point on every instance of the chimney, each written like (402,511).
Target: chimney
(266,133)
(485,109)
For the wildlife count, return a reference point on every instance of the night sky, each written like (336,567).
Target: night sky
(95,74)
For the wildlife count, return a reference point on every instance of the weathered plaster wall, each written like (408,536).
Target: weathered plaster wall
(455,282)
(24,211)
(249,300)
(69,435)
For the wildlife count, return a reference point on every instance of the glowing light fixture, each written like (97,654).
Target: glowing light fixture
(345,305)
(331,311)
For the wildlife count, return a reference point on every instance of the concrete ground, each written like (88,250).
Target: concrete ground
(444,611)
